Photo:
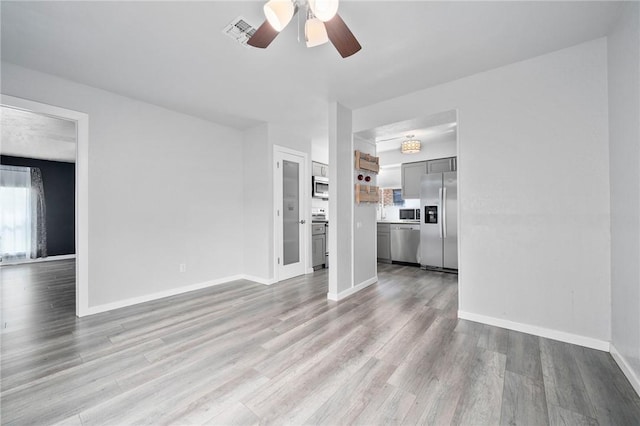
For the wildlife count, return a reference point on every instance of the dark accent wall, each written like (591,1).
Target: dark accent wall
(58,179)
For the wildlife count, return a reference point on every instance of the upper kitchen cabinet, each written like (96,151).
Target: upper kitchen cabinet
(442,165)
(411,174)
(319,169)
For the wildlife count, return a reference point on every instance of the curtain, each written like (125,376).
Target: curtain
(23,232)
(38,216)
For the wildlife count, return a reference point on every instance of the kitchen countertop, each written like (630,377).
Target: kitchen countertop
(416,222)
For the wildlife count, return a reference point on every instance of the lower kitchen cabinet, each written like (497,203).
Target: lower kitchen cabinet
(384,242)
(318,245)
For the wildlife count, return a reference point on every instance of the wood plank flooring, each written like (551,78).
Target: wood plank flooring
(243,353)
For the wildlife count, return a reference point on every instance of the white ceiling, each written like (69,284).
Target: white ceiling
(174,54)
(31,135)
(423,135)
(425,129)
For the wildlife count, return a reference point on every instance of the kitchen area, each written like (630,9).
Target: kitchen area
(319,215)
(417,223)
(416,201)
(417,215)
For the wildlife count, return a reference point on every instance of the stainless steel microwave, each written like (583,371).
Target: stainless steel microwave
(320,186)
(409,214)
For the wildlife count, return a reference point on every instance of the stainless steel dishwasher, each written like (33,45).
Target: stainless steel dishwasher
(405,242)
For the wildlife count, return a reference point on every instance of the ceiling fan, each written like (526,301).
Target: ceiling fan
(322,24)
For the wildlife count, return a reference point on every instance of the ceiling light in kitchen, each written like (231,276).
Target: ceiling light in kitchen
(410,146)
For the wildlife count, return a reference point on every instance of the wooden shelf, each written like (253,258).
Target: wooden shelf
(367,162)
(367,194)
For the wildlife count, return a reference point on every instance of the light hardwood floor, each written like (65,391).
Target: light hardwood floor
(243,353)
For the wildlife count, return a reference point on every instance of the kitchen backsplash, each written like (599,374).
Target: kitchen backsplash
(319,202)
(393,212)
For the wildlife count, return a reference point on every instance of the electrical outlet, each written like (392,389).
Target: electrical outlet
(183,267)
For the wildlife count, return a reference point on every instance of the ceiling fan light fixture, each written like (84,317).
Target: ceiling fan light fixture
(279,13)
(315,32)
(410,146)
(324,10)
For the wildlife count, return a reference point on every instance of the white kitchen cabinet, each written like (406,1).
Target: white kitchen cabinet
(411,174)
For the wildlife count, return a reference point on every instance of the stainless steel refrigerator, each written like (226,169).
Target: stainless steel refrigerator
(439,224)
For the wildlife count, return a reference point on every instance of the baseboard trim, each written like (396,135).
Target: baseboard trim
(346,293)
(548,333)
(41,259)
(92,310)
(259,280)
(626,369)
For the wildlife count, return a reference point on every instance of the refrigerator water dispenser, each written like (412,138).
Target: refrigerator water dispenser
(430,214)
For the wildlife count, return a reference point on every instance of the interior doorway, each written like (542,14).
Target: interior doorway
(411,151)
(80,125)
(291,227)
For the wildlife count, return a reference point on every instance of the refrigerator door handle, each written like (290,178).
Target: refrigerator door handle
(441,212)
(444,212)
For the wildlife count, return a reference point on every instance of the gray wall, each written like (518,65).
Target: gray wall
(624,134)
(365,253)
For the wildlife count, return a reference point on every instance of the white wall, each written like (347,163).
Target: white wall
(257,227)
(156,181)
(534,190)
(624,135)
(259,250)
(341,195)
(320,150)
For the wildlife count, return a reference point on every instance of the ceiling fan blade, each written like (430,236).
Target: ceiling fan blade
(263,36)
(342,37)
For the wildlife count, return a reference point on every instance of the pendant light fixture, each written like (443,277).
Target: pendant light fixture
(315,32)
(279,13)
(324,9)
(410,146)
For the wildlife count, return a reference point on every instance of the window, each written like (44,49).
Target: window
(22,213)
(397,197)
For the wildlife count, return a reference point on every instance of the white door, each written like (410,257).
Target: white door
(291,225)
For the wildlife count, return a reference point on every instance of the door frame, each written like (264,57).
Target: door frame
(81,192)
(304,210)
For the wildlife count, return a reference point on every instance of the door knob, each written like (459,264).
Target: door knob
(302,222)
